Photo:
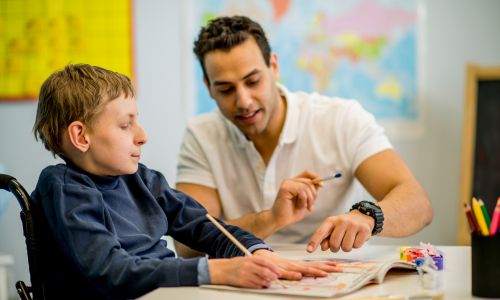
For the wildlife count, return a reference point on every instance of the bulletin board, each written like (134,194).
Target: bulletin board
(38,37)
(481,142)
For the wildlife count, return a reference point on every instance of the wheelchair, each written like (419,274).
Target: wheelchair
(28,218)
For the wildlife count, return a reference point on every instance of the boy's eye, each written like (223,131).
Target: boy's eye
(125,126)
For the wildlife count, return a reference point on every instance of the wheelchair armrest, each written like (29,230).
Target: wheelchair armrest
(4,181)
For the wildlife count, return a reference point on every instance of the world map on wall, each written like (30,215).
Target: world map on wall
(363,50)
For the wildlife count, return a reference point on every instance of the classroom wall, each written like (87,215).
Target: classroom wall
(456,32)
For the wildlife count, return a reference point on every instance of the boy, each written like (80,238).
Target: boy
(105,213)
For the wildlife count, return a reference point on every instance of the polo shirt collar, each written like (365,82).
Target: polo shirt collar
(290,129)
(289,132)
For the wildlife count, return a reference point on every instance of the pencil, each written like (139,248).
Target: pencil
(496,219)
(472,222)
(237,243)
(318,180)
(478,212)
(485,213)
(229,235)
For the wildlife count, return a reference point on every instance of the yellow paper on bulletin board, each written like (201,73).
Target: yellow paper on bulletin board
(38,37)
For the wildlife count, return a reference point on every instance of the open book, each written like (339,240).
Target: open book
(355,274)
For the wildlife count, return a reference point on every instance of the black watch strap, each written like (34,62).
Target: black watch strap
(373,210)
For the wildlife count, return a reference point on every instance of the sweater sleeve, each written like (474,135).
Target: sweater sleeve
(189,225)
(76,214)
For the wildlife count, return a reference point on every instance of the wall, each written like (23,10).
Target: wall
(456,32)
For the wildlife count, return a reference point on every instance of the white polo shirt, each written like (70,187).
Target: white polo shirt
(320,134)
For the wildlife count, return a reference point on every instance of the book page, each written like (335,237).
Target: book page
(354,275)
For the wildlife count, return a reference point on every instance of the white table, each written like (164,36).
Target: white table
(5,260)
(455,278)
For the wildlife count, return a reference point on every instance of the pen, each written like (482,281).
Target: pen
(496,219)
(485,213)
(472,222)
(236,242)
(476,207)
(318,180)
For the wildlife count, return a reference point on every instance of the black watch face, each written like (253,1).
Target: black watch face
(369,205)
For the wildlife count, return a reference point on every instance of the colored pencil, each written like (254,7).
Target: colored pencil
(478,212)
(496,219)
(472,221)
(485,213)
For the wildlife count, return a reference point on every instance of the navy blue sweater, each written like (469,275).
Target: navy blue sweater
(102,235)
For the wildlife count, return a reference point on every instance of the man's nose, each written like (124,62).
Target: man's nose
(243,98)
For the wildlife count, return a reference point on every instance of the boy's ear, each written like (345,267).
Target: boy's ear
(77,136)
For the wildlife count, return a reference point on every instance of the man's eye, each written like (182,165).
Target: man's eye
(253,82)
(226,91)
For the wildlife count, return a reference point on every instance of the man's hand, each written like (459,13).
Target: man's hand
(347,231)
(295,199)
(293,202)
(295,269)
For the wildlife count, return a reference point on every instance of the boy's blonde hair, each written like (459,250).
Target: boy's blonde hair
(76,93)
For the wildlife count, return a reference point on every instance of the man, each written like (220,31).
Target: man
(241,161)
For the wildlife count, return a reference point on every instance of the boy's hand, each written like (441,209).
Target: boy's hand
(249,271)
(295,269)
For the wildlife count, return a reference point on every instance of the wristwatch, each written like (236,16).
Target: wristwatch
(373,210)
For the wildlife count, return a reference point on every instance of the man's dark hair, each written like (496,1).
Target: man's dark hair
(224,33)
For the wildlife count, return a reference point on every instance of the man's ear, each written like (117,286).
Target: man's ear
(275,67)
(207,84)
(78,137)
